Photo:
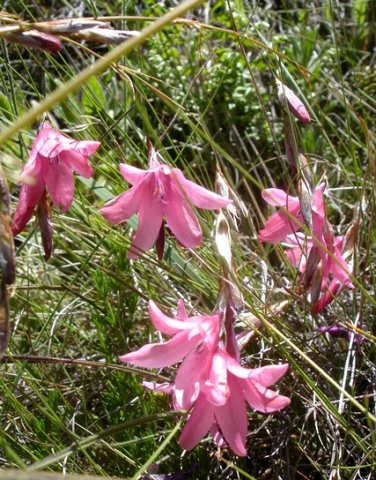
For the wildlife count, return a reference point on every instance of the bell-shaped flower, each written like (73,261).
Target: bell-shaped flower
(194,339)
(52,161)
(221,404)
(160,194)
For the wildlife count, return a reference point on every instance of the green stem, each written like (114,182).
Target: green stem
(96,68)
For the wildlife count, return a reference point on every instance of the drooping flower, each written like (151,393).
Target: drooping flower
(194,339)
(221,404)
(318,256)
(50,166)
(209,379)
(160,194)
(294,104)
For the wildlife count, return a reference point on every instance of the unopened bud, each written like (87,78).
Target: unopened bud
(295,105)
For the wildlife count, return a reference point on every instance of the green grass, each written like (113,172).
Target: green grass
(203,91)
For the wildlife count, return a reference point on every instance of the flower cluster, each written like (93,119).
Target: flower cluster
(210,382)
(317,255)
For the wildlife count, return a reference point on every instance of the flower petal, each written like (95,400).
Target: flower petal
(199,196)
(269,375)
(198,424)
(159,355)
(149,220)
(232,418)
(279,225)
(216,388)
(131,174)
(181,219)
(30,196)
(262,399)
(279,198)
(166,324)
(188,378)
(77,162)
(60,185)
(122,207)
(159,387)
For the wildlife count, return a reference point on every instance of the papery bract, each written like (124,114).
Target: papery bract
(160,193)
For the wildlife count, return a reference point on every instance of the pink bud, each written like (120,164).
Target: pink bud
(295,105)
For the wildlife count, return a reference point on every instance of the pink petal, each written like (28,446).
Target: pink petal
(296,258)
(86,147)
(341,272)
(160,355)
(30,196)
(279,198)
(216,388)
(328,296)
(49,142)
(262,399)
(149,220)
(200,197)
(278,226)
(188,378)
(267,376)
(60,185)
(32,167)
(198,424)
(232,418)
(77,162)
(131,174)
(181,219)
(166,324)
(122,207)
(181,314)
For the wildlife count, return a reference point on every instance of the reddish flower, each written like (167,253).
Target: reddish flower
(50,166)
(194,338)
(318,256)
(53,159)
(160,193)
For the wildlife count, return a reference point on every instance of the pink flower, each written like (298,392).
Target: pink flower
(193,338)
(283,222)
(319,256)
(209,378)
(160,193)
(52,161)
(294,104)
(221,404)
